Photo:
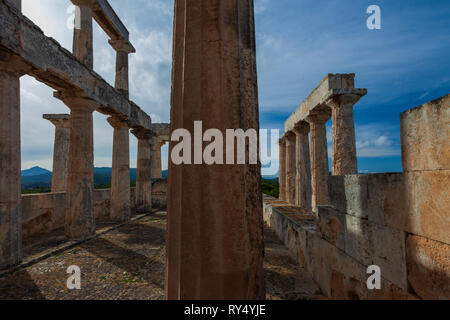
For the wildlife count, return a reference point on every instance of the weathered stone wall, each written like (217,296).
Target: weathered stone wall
(397,221)
(43,213)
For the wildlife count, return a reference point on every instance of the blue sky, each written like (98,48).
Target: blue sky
(298,42)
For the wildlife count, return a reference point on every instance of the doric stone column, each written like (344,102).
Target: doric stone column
(303,165)
(282,169)
(156,158)
(82,36)
(11,69)
(215,228)
(290,167)
(344,142)
(60,150)
(143,171)
(123,49)
(120,178)
(319,159)
(79,219)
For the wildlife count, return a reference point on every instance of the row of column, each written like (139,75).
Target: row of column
(303,162)
(148,165)
(78,176)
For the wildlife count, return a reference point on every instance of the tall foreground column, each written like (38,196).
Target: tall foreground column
(215,228)
(344,141)
(319,159)
(143,171)
(10,162)
(60,150)
(82,36)
(303,167)
(79,219)
(290,167)
(282,169)
(120,178)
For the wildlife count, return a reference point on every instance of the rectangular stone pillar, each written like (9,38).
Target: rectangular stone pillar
(10,166)
(144,171)
(82,36)
(120,179)
(60,150)
(290,167)
(303,193)
(79,218)
(319,159)
(344,161)
(215,227)
(282,169)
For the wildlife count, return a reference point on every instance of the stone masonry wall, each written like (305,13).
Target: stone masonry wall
(43,213)
(397,221)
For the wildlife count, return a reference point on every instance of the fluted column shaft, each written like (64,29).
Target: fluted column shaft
(319,160)
(290,167)
(156,159)
(344,159)
(82,36)
(123,49)
(303,196)
(10,166)
(60,151)
(215,227)
(79,219)
(282,169)
(144,171)
(120,178)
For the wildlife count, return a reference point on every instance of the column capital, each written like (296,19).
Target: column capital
(117,122)
(302,128)
(13,64)
(122,45)
(58,120)
(142,134)
(77,101)
(84,3)
(318,118)
(282,140)
(290,137)
(343,100)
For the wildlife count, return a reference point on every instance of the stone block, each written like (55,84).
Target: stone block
(389,254)
(331,224)
(428,264)
(425,134)
(358,239)
(349,194)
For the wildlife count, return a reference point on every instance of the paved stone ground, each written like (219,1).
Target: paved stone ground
(128,263)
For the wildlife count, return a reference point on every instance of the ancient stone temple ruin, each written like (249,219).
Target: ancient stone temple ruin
(334,225)
(338,224)
(72,203)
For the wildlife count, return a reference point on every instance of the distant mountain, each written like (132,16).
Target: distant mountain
(35,171)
